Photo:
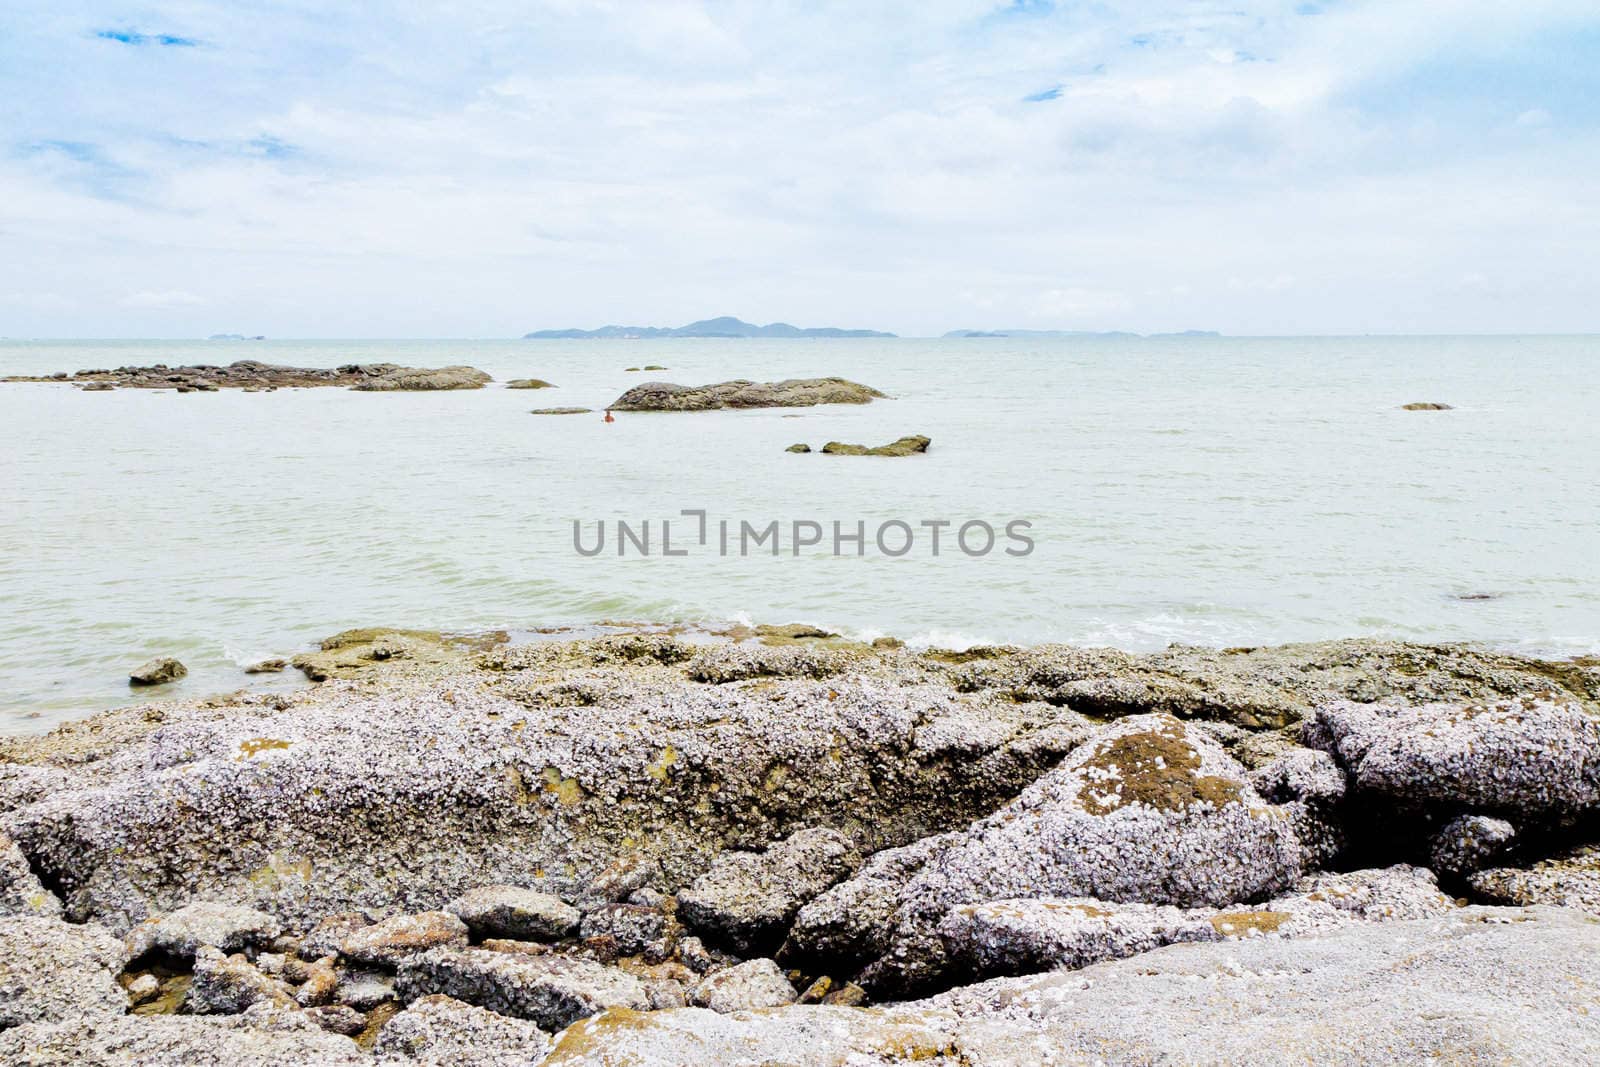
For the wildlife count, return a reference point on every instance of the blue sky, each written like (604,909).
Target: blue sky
(295,169)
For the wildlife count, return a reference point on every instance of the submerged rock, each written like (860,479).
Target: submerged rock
(1425,405)
(562,411)
(798,448)
(364,652)
(905,446)
(528,383)
(790,393)
(157,672)
(267,666)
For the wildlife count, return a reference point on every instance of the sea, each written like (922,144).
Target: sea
(1121,491)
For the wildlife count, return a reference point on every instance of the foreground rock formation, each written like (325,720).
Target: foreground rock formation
(790,393)
(784,846)
(253,375)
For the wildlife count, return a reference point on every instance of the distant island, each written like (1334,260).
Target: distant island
(1078,333)
(234,337)
(726,326)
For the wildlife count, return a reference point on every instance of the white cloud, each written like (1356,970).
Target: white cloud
(507,165)
(36,301)
(176,298)
(1076,303)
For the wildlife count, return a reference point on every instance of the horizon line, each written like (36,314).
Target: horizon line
(1030,333)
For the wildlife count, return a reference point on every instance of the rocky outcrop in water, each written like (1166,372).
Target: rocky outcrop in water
(790,393)
(157,672)
(905,446)
(254,376)
(413,379)
(461,849)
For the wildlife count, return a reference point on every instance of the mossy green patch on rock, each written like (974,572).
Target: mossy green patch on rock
(1248,923)
(591,1037)
(1157,768)
(254,745)
(360,652)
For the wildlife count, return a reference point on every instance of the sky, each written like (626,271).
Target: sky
(484,168)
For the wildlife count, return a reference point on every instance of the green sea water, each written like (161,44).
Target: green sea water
(1217,491)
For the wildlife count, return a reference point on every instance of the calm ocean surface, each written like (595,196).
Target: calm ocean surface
(1212,491)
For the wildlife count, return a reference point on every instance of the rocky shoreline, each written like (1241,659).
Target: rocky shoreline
(779,846)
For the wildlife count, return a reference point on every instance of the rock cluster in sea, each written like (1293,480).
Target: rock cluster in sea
(790,393)
(903,446)
(785,846)
(255,376)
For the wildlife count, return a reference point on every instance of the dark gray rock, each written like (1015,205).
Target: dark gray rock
(748,899)
(514,912)
(21,892)
(181,933)
(440,1031)
(264,1036)
(758,983)
(227,985)
(393,941)
(552,991)
(1533,756)
(1568,880)
(1471,843)
(158,671)
(50,970)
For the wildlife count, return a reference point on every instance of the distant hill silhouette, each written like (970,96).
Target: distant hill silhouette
(725,326)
